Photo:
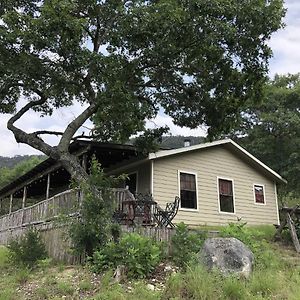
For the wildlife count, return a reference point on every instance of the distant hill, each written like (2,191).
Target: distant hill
(10,162)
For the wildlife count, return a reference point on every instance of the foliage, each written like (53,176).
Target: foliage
(256,238)
(7,174)
(140,255)
(185,244)
(94,228)
(272,281)
(196,60)
(3,257)
(28,249)
(271,130)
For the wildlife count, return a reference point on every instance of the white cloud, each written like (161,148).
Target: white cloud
(286,42)
(30,122)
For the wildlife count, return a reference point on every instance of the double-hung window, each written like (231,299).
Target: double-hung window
(226,200)
(188,190)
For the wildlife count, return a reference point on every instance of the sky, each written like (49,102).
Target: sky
(286,59)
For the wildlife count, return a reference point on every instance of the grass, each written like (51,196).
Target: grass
(276,275)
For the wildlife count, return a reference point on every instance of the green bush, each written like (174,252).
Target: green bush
(27,250)
(256,238)
(185,244)
(140,255)
(95,227)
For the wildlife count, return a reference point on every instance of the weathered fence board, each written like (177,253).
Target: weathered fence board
(42,216)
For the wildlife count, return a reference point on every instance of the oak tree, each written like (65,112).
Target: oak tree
(197,60)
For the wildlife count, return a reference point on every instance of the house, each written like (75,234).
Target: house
(217,182)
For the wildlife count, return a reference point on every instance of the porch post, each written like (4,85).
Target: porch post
(24,197)
(48,186)
(10,203)
(84,161)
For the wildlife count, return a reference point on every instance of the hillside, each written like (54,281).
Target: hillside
(10,162)
(11,168)
(275,276)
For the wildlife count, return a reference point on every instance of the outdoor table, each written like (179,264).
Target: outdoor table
(144,211)
(139,210)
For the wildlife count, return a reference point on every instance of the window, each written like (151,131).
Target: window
(226,195)
(259,194)
(188,193)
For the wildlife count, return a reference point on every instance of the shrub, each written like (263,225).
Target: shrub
(28,249)
(140,255)
(256,239)
(94,228)
(185,244)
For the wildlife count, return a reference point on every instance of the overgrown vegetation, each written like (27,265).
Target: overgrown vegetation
(276,275)
(95,225)
(139,255)
(8,173)
(185,244)
(27,249)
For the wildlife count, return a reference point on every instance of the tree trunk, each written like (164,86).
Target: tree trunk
(72,164)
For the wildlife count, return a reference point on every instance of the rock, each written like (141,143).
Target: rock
(229,255)
(168,268)
(150,287)
(119,274)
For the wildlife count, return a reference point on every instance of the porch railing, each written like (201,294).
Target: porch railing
(64,203)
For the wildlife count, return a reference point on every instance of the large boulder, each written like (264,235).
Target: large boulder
(229,255)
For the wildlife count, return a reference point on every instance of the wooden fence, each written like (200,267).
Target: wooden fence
(42,216)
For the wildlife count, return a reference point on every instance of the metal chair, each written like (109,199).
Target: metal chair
(165,216)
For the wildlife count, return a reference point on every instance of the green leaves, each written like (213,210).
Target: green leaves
(198,60)
(140,255)
(272,129)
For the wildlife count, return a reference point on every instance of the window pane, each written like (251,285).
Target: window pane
(259,194)
(226,204)
(187,182)
(188,193)
(225,187)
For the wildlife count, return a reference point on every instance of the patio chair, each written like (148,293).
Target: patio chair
(165,216)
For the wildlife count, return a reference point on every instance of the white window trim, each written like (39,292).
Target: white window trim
(196,179)
(276,200)
(233,196)
(137,180)
(151,178)
(264,190)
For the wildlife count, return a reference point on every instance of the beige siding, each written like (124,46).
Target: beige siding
(209,164)
(143,176)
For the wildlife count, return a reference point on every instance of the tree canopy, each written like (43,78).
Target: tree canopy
(271,130)
(197,60)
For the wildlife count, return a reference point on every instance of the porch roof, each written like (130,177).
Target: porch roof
(106,153)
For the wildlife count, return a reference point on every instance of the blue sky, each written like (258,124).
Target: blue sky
(286,49)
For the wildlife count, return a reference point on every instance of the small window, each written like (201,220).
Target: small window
(259,194)
(226,196)
(188,193)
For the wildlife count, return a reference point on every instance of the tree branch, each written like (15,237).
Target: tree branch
(30,138)
(74,126)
